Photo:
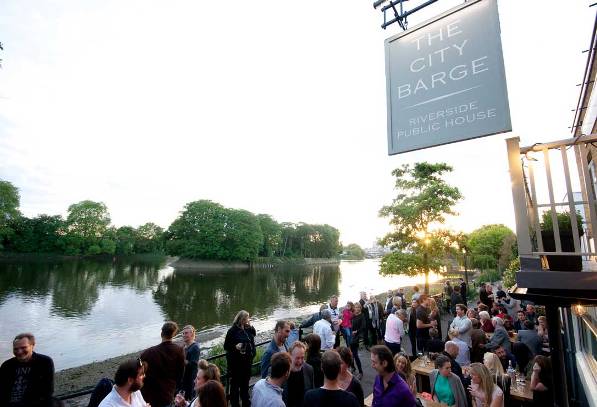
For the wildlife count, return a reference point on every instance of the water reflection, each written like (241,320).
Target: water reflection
(208,299)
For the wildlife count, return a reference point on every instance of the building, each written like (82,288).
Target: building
(556,241)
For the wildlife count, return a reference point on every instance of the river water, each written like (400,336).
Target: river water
(83,311)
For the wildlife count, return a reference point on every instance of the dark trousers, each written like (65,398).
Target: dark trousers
(422,344)
(413,343)
(394,347)
(354,348)
(239,386)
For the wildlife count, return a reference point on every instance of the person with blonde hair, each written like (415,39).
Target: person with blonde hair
(483,390)
(492,362)
(240,351)
(404,369)
(434,314)
(205,372)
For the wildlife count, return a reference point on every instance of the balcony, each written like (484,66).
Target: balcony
(555,235)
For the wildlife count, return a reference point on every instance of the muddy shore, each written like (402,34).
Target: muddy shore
(85,376)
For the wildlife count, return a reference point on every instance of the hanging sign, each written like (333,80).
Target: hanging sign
(445,80)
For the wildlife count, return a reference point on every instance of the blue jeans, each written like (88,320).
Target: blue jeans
(347,332)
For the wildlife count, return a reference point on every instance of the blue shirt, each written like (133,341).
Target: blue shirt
(396,394)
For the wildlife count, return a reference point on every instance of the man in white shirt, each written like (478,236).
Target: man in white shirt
(395,330)
(128,381)
(462,324)
(323,328)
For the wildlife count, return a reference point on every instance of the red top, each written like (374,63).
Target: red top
(346,318)
(487,326)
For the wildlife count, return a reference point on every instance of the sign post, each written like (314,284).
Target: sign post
(445,79)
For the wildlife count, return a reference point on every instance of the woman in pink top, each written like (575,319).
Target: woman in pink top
(346,324)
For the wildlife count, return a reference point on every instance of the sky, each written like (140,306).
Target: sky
(270,106)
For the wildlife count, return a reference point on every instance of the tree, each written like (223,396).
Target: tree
(272,235)
(9,209)
(354,252)
(492,246)
(86,224)
(125,240)
(149,239)
(424,199)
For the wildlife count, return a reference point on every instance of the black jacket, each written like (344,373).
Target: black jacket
(236,359)
(40,386)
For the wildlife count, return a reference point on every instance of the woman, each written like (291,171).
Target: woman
(403,368)
(346,380)
(542,331)
(240,351)
(486,324)
(484,392)
(205,371)
(434,314)
(359,331)
(346,325)
(446,387)
(541,382)
(191,353)
(492,362)
(313,342)
(212,394)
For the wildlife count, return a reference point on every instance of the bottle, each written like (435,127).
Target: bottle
(511,373)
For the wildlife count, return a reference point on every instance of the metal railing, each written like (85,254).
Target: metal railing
(532,235)
(225,377)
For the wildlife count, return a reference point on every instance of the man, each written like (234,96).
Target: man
(500,293)
(375,310)
(416,293)
(389,302)
(512,306)
(27,380)
(529,336)
(128,381)
(166,363)
(412,327)
(521,318)
(300,379)
(435,344)
(323,328)
(456,298)
(402,297)
(451,350)
(389,389)
(500,336)
(462,324)
(506,357)
(363,301)
(313,318)
(423,323)
(464,355)
(336,321)
(478,341)
(531,314)
(484,296)
(448,294)
(192,354)
(268,392)
(395,330)
(277,344)
(330,394)
(463,289)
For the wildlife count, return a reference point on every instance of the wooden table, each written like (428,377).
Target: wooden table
(422,372)
(522,392)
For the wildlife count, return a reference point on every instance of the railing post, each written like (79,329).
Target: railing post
(525,248)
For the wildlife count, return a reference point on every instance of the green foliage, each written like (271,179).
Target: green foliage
(41,234)
(305,240)
(509,277)
(564,222)
(149,238)
(491,246)
(9,209)
(221,363)
(353,252)
(272,235)
(489,276)
(423,199)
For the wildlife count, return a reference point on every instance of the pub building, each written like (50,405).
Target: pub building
(554,189)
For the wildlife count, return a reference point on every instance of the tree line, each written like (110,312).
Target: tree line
(204,230)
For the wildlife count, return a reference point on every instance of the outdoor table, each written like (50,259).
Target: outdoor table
(512,335)
(521,391)
(422,369)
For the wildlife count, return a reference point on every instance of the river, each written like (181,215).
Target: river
(88,310)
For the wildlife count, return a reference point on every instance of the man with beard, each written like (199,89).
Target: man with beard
(128,381)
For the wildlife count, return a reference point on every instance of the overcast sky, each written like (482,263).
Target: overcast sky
(276,107)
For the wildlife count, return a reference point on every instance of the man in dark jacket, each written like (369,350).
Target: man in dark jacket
(300,379)
(412,327)
(166,363)
(27,380)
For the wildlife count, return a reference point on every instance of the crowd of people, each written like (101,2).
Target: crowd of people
(488,344)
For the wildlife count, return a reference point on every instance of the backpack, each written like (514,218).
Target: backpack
(101,390)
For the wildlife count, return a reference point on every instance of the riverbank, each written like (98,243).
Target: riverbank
(259,263)
(77,378)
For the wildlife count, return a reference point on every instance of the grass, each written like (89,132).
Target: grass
(221,361)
